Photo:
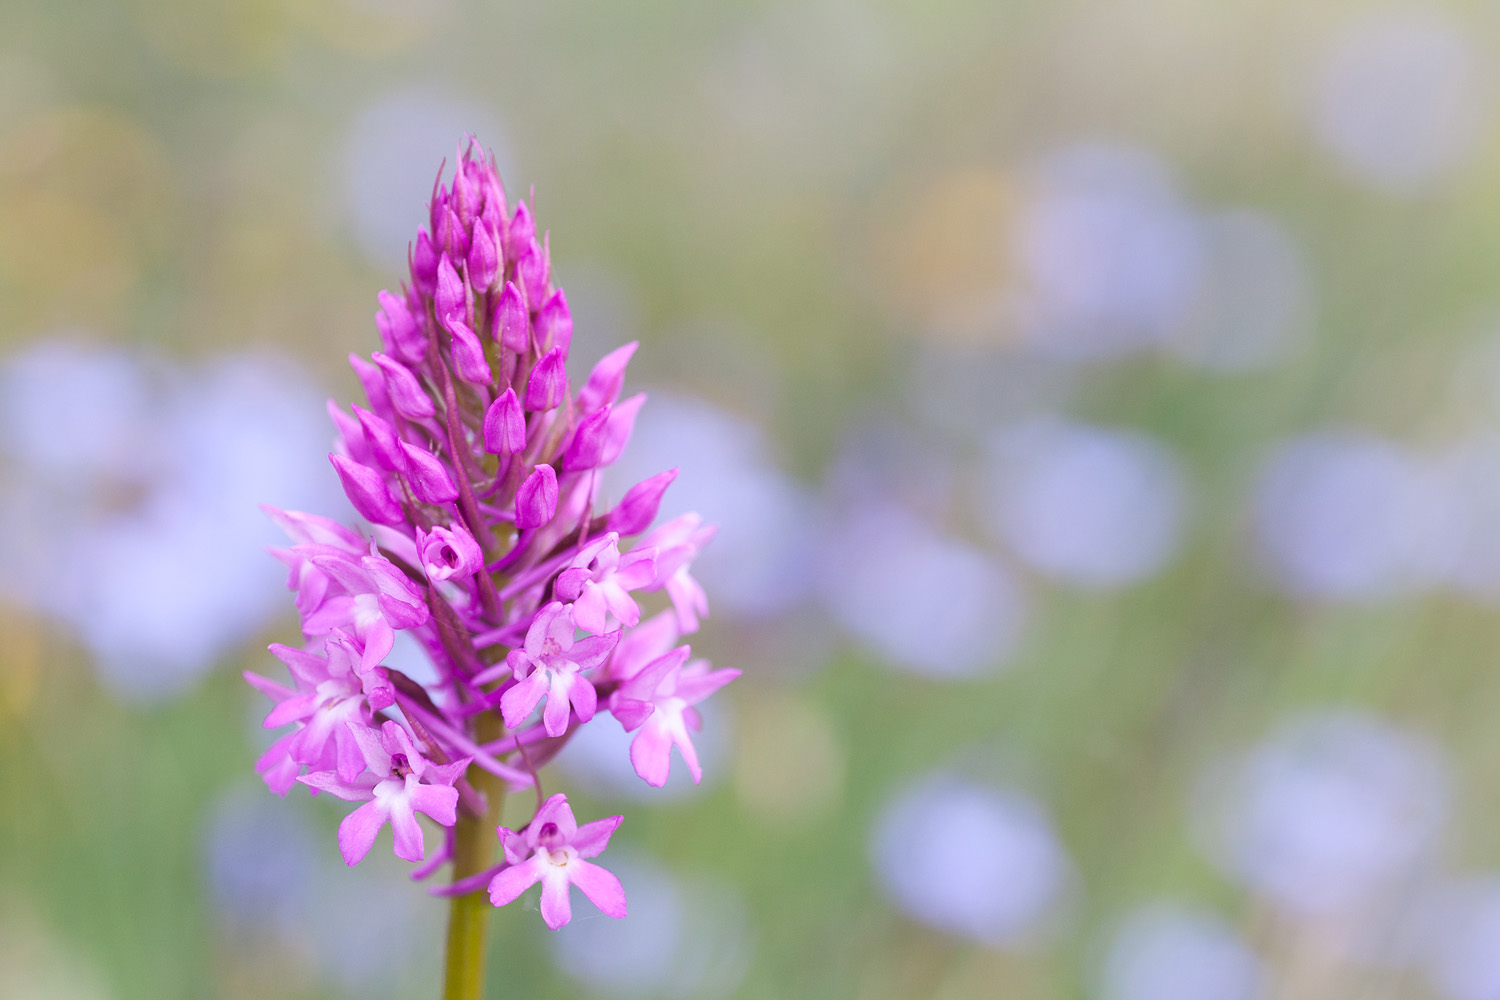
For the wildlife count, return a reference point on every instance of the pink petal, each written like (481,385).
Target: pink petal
(584,699)
(512,881)
(589,610)
(592,838)
(555,715)
(651,754)
(406,832)
(557,909)
(438,801)
(599,885)
(358,831)
(520,700)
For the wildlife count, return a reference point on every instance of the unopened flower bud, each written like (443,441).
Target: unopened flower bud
(504,425)
(640,504)
(405,391)
(536,499)
(367,491)
(424,264)
(548,384)
(484,259)
(607,378)
(351,435)
(385,446)
(511,323)
(430,482)
(521,232)
(469,362)
(554,323)
(451,301)
(531,271)
(400,330)
(587,445)
(373,380)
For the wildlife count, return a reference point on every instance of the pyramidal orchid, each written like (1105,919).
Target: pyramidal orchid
(476,466)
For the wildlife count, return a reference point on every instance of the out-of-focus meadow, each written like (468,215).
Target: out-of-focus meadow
(1101,403)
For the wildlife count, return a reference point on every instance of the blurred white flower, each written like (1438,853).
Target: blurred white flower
(1401,101)
(1328,814)
(1091,506)
(130,507)
(982,863)
(1170,952)
(918,599)
(1111,256)
(1340,514)
(1461,939)
(1254,303)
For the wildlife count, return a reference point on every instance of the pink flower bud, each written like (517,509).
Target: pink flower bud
(554,324)
(505,425)
(511,323)
(429,480)
(400,330)
(451,301)
(484,259)
(424,265)
(449,553)
(522,231)
(531,271)
(451,237)
(607,378)
(548,384)
(640,505)
(367,491)
(373,379)
(469,362)
(405,391)
(385,445)
(588,442)
(536,499)
(351,435)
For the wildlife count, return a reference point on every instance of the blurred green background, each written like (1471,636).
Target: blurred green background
(1102,403)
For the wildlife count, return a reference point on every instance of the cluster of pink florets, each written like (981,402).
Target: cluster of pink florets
(478,469)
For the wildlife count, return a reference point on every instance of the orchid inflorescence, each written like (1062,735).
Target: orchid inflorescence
(478,469)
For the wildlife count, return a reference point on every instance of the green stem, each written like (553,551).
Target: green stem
(474,844)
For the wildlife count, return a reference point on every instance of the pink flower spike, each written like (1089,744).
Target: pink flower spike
(469,362)
(548,384)
(553,850)
(400,783)
(536,498)
(368,492)
(405,391)
(399,329)
(449,553)
(671,686)
(640,504)
(511,324)
(599,581)
(429,479)
(504,425)
(551,664)
(554,323)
